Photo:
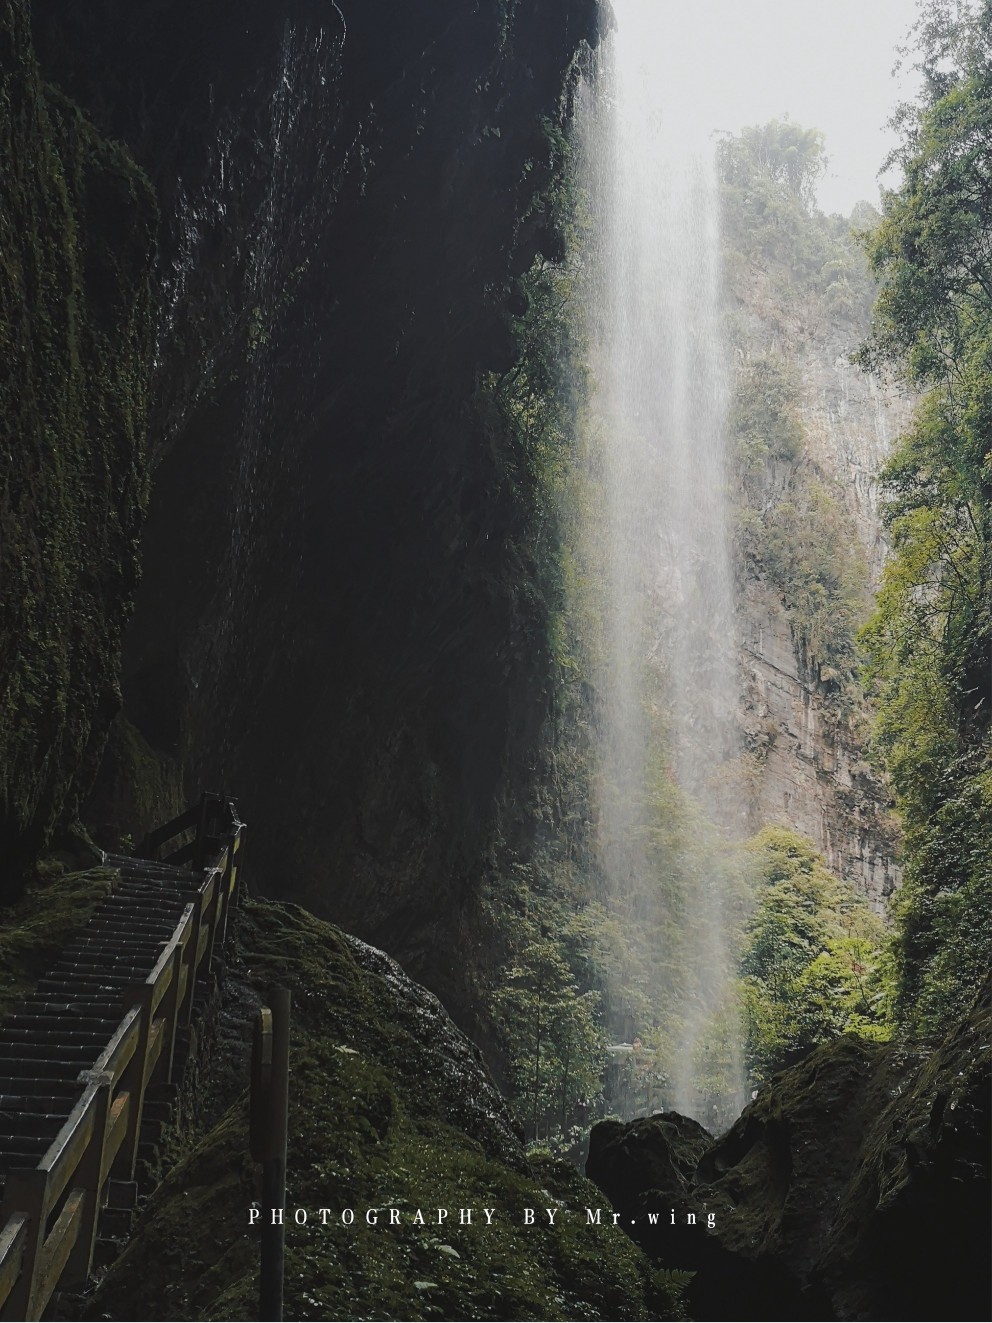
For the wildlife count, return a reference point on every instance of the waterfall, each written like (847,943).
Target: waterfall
(658,529)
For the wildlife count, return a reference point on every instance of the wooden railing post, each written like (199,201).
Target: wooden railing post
(168,1011)
(134,1083)
(216,919)
(187,972)
(231,878)
(89,1176)
(269,1134)
(25,1192)
(202,934)
(226,887)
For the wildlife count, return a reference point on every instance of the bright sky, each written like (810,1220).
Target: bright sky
(827,64)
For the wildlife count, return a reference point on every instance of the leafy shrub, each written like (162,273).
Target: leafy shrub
(814,962)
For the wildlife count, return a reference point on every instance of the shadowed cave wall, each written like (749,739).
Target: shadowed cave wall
(338,619)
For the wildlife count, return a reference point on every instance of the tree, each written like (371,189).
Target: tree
(783,153)
(556,1046)
(930,639)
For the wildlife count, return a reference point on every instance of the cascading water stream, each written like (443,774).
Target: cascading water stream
(666,681)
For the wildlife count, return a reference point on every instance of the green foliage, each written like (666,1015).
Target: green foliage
(674,1277)
(931,246)
(802,539)
(945,931)
(557,1044)
(930,639)
(769,175)
(800,270)
(810,551)
(527,415)
(813,962)
(764,418)
(780,154)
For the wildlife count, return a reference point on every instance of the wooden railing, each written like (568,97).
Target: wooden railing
(50,1212)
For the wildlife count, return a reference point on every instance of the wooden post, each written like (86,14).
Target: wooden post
(89,1175)
(26,1192)
(133,1081)
(269,1132)
(229,883)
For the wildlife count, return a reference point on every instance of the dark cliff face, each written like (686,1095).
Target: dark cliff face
(77,228)
(332,622)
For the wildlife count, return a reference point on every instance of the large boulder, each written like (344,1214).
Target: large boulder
(397,1132)
(648,1167)
(856,1186)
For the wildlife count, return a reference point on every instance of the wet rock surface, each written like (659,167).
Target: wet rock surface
(648,1164)
(814,775)
(468,1097)
(856,1186)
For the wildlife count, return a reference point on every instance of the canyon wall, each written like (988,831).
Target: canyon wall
(815,775)
(799,305)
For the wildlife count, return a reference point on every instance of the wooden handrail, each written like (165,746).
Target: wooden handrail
(100,1136)
(13,1242)
(62,1158)
(123,1042)
(153,842)
(212,817)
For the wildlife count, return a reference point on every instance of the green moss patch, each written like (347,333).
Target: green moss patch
(34,930)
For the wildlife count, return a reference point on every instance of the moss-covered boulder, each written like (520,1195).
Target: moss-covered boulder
(919,1201)
(77,227)
(648,1166)
(855,1186)
(391,1109)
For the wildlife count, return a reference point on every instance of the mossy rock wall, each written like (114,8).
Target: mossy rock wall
(77,226)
